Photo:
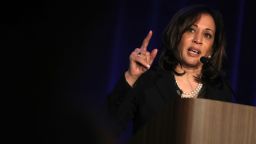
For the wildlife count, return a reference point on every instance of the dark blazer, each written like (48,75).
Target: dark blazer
(154,90)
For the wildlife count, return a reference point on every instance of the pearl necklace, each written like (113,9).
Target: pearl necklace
(193,93)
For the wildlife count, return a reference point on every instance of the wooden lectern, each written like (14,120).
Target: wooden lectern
(200,121)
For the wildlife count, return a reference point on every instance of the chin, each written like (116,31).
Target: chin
(192,63)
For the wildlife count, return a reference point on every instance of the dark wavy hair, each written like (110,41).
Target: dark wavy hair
(179,24)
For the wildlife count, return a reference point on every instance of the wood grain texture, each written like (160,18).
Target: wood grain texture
(215,122)
(200,121)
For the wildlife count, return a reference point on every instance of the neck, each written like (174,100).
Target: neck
(189,86)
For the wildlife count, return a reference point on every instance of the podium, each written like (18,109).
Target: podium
(200,121)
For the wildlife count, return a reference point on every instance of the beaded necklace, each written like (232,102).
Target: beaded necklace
(193,93)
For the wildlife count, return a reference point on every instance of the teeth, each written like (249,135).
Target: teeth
(194,51)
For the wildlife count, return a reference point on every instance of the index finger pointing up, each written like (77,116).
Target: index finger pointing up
(146,40)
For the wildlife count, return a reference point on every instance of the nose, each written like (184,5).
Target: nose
(197,38)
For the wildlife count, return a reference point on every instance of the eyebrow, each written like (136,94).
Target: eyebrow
(208,29)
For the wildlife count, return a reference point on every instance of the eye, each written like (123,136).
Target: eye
(208,35)
(191,29)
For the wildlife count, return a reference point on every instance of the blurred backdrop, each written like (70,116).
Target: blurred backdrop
(66,56)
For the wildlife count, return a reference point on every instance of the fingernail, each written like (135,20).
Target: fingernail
(148,66)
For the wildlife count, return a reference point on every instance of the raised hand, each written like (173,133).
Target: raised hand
(140,60)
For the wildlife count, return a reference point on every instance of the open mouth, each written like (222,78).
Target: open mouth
(194,51)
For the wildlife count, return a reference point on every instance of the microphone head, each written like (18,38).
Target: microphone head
(204,60)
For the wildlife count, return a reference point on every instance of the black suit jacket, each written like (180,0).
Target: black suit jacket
(154,90)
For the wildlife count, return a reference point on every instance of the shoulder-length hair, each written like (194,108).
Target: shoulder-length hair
(180,23)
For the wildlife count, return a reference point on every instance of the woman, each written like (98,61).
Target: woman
(194,33)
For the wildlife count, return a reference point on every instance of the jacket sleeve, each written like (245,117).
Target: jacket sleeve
(121,105)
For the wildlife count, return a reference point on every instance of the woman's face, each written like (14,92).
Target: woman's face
(197,41)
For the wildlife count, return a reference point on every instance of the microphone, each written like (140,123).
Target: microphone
(204,60)
(207,62)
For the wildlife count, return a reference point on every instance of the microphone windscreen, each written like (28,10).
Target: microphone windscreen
(204,60)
